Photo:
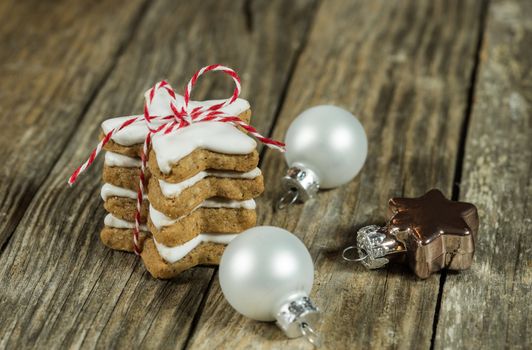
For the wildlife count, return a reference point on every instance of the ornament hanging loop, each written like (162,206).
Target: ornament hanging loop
(376,245)
(296,317)
(359,254)
(310,334)
(287,199)
(299,183)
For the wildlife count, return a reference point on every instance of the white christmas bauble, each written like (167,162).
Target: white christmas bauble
(328,140)
(264,268)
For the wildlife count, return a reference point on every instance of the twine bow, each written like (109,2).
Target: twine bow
(182,116)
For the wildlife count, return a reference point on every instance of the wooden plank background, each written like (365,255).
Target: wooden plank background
(443,88)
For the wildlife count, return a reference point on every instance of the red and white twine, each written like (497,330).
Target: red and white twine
(181,116)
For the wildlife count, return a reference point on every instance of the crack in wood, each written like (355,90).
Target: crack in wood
(457,179)
(247,9)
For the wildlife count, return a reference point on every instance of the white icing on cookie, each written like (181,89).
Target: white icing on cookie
(173,190)
(112,221)
(218,202)
(173,254)
(119,160)
(160,220)
(136,132)
(131,135)
(213,136)
(109,190)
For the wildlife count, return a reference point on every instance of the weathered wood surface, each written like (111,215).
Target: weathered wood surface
(407,69)
(489,306)
(50,70)
(60,287)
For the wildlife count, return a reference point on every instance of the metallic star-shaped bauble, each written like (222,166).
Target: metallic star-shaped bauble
(436,232)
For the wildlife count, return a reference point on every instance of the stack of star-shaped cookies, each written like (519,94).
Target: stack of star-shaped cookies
(203,179)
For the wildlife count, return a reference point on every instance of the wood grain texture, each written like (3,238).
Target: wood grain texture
(61,288)
(404,68)
(53,57)
(489,307)
(408,69)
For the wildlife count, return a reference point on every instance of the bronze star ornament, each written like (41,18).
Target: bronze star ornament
(438,233)
(430,233)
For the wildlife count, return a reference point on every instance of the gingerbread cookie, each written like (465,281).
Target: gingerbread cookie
(116,233)
(185,152)
(126,208)
(176,200)
(130,141)
(213,215)
(204,250)
(202,159)
(122,171)
(122,202)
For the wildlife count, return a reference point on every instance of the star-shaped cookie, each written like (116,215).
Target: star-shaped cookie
(437,233)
